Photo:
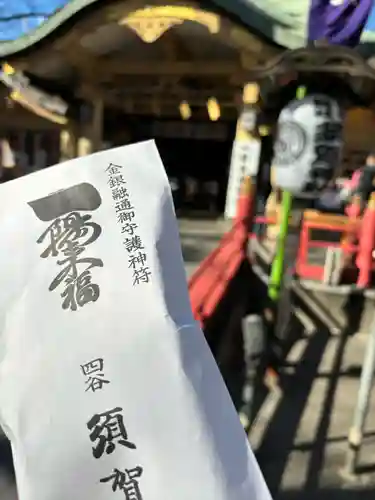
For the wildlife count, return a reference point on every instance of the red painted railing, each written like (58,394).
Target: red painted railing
(208,284)
(307,270)
(210,281)
(357,245)
(365,257)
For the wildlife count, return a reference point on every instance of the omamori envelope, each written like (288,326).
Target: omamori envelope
(107,386)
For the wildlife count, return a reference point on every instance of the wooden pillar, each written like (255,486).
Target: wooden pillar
(91,139)
(97,124)
(84,146)
(8,159)
(22,157)
(68,142)
(39,152)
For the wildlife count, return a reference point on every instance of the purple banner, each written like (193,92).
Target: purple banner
(338,22)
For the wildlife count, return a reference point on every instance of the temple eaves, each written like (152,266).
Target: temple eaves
(244,12)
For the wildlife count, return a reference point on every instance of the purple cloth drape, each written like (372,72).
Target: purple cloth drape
(339,23)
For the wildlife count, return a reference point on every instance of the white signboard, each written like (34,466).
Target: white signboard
(108,388)
(244,162)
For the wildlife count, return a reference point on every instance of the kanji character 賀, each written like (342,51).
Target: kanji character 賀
(126,481)
(108,429)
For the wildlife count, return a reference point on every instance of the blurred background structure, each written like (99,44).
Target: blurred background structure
(176,75)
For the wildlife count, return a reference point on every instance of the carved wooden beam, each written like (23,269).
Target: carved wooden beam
(175,48)
(170,110)
(226,93)
(154,100)
(99,67)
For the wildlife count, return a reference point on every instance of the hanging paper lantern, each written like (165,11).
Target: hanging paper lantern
(308,144)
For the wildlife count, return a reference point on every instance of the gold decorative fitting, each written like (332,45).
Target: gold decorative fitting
(247,185)
(250,93)
(150,30)
(213,109)
(151,23)
(185,110)
(243,135)
(264,130)
(8,69)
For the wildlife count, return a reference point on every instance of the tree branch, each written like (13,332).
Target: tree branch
(16,17)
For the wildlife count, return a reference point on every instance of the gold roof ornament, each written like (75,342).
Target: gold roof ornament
(151,23)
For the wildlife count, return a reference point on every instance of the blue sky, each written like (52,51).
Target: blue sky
(371,21)
(12,29)
(17,27)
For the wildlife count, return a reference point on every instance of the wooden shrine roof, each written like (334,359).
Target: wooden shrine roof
(144,59)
